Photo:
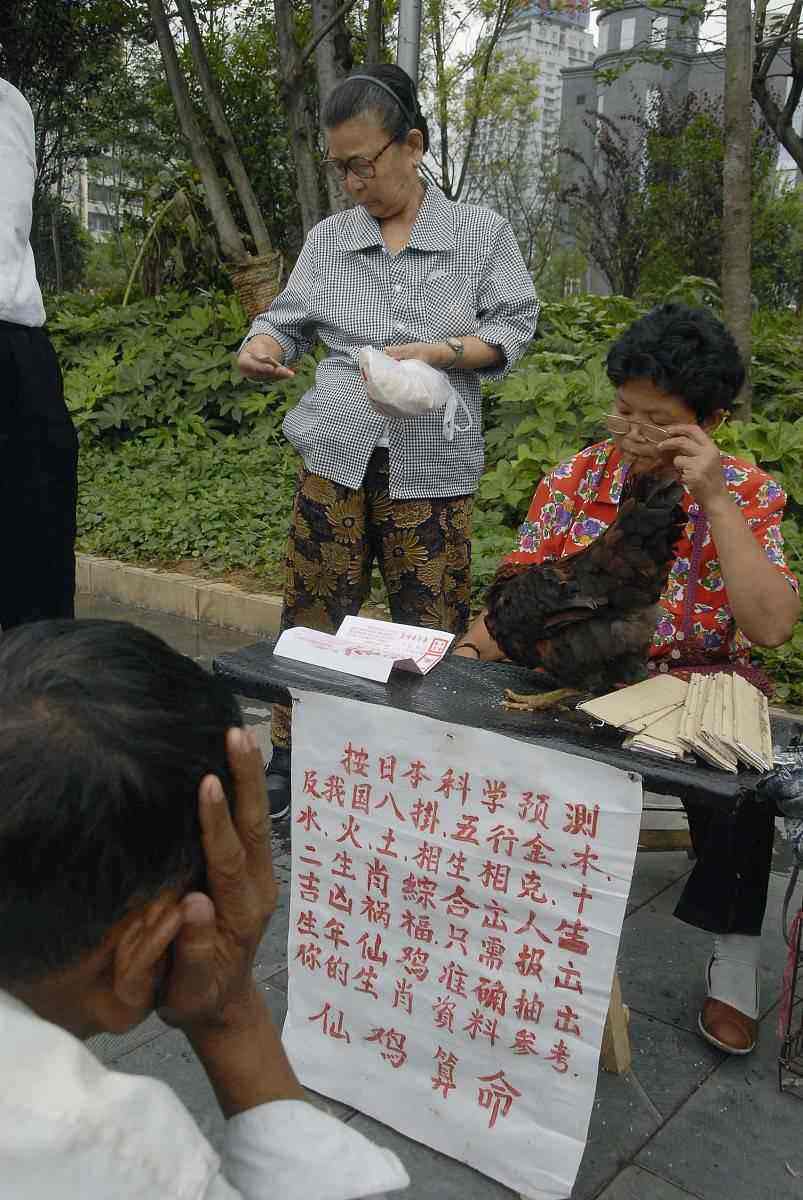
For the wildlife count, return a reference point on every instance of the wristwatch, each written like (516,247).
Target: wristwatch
(458,349)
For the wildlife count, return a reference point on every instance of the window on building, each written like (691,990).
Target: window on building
(603,37)
(581,99)
(660,26)
(627,35)
(100,193)
(600,105)
(100,222)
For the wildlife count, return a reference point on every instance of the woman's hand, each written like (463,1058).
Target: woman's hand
(436,354)
(260,359)
(696,459)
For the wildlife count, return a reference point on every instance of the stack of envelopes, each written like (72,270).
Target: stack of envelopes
(721,718)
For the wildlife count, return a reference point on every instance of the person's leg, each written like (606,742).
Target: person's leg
(424,553)
(327,576)
(726,894)
(38,481)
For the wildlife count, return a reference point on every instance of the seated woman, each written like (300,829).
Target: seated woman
(677,372)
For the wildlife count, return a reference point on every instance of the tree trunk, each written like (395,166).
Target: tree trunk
(373,32)
(736,178)
(333,62)
(231,242)
(228,146)
(299,118)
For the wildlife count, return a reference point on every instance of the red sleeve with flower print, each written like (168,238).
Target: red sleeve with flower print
(542,536)
(762,502)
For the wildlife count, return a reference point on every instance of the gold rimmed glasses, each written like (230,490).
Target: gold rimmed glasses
(653,434)
(363,168)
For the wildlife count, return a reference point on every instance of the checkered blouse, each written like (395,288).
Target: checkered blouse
(460,274)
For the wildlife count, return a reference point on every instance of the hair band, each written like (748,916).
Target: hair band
(385,88)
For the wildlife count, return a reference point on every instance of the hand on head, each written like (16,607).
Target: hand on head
(211,939)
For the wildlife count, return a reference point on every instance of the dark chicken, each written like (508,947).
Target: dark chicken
(588,620)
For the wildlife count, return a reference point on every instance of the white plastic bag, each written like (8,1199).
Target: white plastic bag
(410,388)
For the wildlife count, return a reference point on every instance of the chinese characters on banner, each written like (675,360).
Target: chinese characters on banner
(457,901)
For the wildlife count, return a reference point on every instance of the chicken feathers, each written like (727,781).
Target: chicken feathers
(588,619)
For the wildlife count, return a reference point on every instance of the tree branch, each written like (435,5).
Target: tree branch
(311,46)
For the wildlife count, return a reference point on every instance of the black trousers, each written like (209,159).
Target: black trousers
(38,481)
(727,889)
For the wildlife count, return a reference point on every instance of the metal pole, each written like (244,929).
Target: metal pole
(408,51)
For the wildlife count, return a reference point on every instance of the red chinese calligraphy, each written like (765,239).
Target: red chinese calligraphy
(529,1008)
(310,785)
(418,926)
(570,980)
(339,899)
(444,1080)
(393,1043)
(343,863)
(450,782)
(424,815)
(453,978)
(378,877)
(458,936)
(428,858)
(367,977)
(581,820)
(311,857)
(403,995)
(559,1057)
(361,797)
(387,767)
(390,799)
(307,818)
(481,1026)
(388,840)
(582,895)
(458,903)
(493,953)
(585,859)
(502,836)
(494,794)
(376,911)
(328,1026)
(306,924)
(498,1097)
(334,931)
(414,960)
(532,888)
(309,955)
(491,994)
(536,848)
(530,961)
(334,790)
(494,916)
(530,926)
(350,830)
(416,773)
(534,809)
(354,761)
(457,866)
(573,938)
(309,886)
(372,951)
(495,875)
(524,1042)
(337,969)
(466,830)
(566,1021)
(443,1013)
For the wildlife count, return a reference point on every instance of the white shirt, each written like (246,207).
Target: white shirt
(20,297)
(73,1130)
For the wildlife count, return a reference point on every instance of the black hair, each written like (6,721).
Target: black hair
(105,735)
(392,97)
(685,352)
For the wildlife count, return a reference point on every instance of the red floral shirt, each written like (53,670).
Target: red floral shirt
(576,501)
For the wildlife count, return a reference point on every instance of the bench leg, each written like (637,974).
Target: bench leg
(615,1054)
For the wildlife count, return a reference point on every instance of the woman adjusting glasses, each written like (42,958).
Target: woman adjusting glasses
(416,275)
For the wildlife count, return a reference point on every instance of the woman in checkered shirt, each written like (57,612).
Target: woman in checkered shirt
(415,274)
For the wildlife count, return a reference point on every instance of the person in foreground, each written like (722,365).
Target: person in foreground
(677,373)
(422,277)
(136,874)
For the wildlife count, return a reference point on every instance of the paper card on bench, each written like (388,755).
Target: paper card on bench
(661,736)
(639,700)
(367,648)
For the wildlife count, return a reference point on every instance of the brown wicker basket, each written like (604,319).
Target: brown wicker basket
(258,282)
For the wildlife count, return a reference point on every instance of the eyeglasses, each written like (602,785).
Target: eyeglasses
(363,168)
(653,434)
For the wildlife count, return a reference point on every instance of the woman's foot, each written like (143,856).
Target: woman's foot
(729,1018)
(277,777)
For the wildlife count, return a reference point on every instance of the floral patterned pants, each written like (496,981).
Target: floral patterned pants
(422,547)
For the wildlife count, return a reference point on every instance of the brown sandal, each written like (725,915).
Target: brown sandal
(726,1028)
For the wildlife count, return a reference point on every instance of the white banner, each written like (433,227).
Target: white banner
(457,901)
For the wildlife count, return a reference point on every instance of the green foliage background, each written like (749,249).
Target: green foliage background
(182,459)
